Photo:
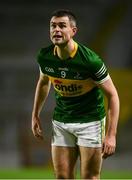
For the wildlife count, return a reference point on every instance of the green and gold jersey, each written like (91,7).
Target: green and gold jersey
(78,99)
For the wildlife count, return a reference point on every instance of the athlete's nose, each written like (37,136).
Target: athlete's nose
(57,28)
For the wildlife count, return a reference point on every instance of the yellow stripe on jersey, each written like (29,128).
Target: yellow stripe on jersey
(72,88)
(72,53)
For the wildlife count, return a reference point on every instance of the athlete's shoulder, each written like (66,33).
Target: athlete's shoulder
(94,63)
(45,50)
(90,58)
(87,52)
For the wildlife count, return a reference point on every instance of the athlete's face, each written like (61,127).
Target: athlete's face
(61,30)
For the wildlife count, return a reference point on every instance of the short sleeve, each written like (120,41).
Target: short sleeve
(40,56)
(98,69)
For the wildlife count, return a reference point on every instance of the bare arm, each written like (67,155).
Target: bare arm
(41,94)
(109,143)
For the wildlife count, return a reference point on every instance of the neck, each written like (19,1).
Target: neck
(64,51)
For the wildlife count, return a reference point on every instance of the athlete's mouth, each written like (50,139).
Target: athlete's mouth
(57,36)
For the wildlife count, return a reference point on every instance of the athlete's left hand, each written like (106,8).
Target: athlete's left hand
(109,145)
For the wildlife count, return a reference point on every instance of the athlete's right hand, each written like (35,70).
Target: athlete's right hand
(36,128)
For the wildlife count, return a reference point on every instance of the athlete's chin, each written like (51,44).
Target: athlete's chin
(57,42)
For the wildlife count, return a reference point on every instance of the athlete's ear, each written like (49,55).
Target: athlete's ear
(74,29)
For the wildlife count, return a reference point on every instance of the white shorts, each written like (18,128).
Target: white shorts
(88,134)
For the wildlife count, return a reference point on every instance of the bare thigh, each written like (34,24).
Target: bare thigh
(90,161)
(64,160)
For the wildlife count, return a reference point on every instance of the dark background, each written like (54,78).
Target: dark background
(104,26)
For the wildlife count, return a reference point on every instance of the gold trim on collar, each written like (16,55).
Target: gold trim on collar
(73,52)
(55,50)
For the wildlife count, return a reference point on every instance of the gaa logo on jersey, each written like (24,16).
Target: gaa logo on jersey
(49,69)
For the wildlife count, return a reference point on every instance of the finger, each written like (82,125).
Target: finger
(40,137)
(39,134)
(112,150)
(34,131)
(109,152)
(34,128)
(103,148)
(39,130)
(105,153)
(104,156)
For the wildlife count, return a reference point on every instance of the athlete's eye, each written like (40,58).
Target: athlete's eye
(53,26)
(62,26)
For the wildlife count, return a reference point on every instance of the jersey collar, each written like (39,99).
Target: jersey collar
(72,53)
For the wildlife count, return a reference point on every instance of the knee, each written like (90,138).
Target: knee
(64,172)
(64,175)
(90,175)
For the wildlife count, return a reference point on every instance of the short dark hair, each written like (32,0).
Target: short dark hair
(65,12)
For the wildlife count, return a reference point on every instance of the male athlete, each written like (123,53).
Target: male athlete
(79,78)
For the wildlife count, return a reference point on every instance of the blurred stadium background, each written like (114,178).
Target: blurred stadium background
(104,26)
